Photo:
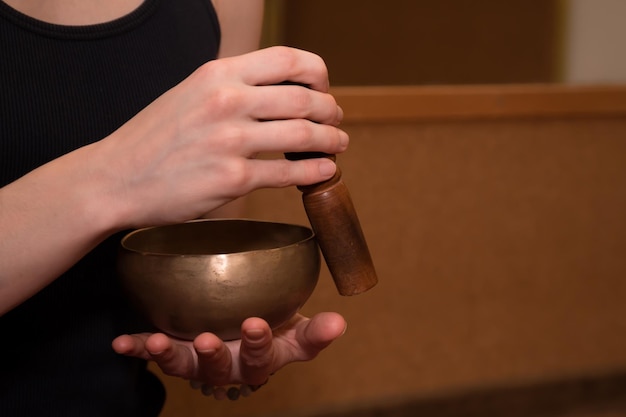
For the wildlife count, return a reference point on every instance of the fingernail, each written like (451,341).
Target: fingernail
(344,139)
(327,167)
(339,114)
(207,352)
(255,335)
(344,330)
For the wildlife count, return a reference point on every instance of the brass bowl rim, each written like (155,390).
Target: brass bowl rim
(310,236)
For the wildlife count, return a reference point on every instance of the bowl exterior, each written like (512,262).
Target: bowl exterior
(187,295)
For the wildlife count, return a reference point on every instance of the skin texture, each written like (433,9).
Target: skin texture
(177,140)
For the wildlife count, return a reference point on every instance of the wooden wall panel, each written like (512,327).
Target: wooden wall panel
(501,250)
(367,42)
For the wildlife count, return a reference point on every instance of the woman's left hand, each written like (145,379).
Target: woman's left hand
(250,360)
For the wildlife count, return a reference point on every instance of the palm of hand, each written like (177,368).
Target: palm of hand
(249,360)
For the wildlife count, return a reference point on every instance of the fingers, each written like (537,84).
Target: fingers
(319,332)
(256,355)
(173,358)
(294,102)
(214,360)
(131,345)
(290,136)
(287,64)
(207,359)
(263,70)
(279,173)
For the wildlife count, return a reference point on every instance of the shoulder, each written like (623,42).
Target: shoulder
(241,22)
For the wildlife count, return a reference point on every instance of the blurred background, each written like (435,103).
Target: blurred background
(488,168)
(367,42)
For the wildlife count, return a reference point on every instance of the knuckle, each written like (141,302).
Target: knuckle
(302,133)
(239,176)
(225,100)
(292,59)
(332,112)
(282,173)
(286,56)
(338,139)
(320,65)
(213,69)
(232,138)
(301,102)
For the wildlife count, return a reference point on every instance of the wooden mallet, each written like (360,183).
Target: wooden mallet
(333,218)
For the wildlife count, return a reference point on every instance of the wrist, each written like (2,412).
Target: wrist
(99,192)
(59,211)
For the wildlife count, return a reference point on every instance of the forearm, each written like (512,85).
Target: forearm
(49,219)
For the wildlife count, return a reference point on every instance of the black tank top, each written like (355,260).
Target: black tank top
(61,88)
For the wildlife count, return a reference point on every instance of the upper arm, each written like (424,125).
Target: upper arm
(241,22)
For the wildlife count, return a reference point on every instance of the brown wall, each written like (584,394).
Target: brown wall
(501,249)
(367,42)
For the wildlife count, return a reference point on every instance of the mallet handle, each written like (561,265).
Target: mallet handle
(333,218)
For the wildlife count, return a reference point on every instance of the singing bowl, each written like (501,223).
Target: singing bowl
(210,275)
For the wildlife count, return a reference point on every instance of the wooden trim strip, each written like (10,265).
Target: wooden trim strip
(415,103)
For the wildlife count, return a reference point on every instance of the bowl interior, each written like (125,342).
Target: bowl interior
(206,237)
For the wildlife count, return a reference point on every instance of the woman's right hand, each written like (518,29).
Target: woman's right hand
(194,148)
(190,151)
